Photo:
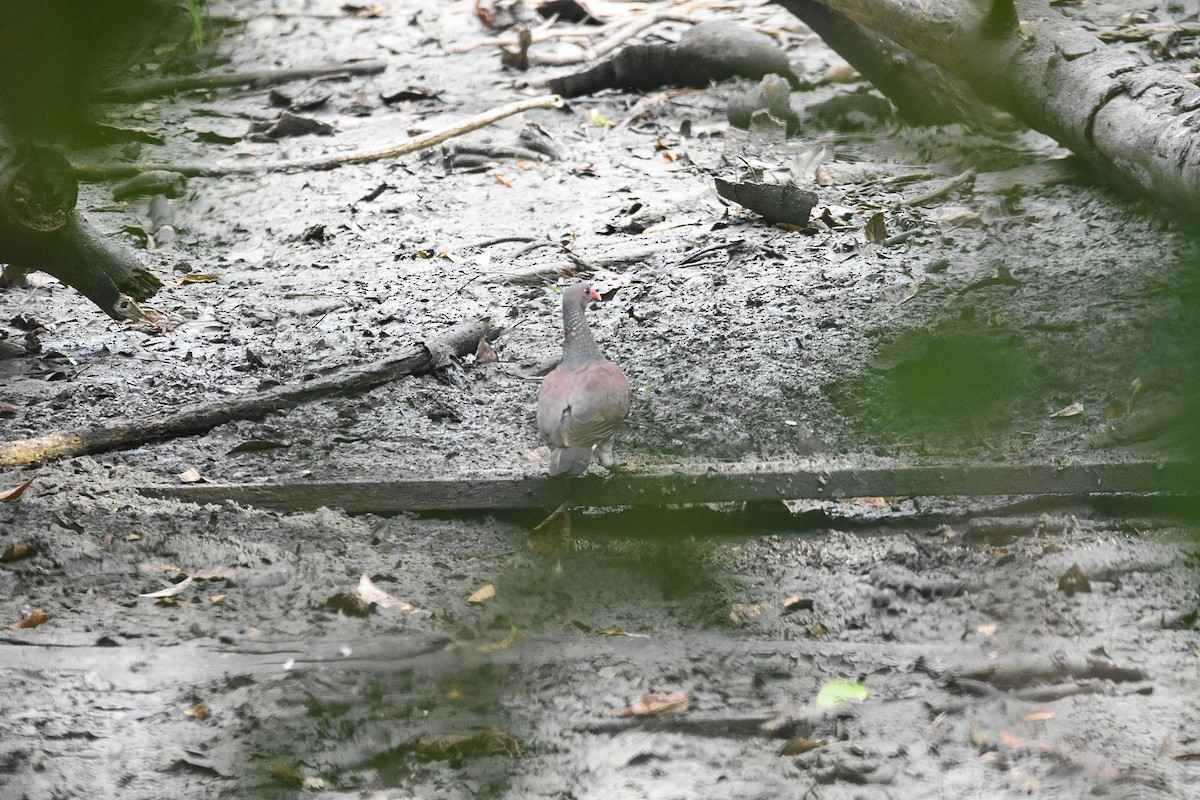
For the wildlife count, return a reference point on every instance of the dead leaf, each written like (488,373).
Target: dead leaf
(988,629)
(287,775)
(553,534)
(349,604)
(536,454)
(1039,716)
(369,593)
(800,745)
(839,73)
(190,476)
(500,179)
(797,602)
(153,321)
(1074,580)
(199,711)
(1016,742)
(979,738)
(484,353)
(198,277)
(876,229)
(483,593)
(1073,410)
(658,705)
(514,636)
(742,614)
(35,618)
(14,494)
(15,552)
(171,591)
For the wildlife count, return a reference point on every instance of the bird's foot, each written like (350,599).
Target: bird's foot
(614,469)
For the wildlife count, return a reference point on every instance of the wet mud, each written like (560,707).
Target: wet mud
(1008,324)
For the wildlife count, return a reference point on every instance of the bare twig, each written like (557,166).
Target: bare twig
(540,34)
(643,106)
(1138,33)
(134,92)
(623,34)
(97,172)
(938,191)
(417,359)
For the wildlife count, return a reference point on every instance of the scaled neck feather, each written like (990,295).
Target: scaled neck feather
(578,343)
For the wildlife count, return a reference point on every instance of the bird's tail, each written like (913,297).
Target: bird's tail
(570,460)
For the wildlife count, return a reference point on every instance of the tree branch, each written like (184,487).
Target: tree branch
(700,483)
(100,172)
(417,359)
(1131,124)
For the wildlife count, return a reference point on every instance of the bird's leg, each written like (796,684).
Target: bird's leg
(604,454)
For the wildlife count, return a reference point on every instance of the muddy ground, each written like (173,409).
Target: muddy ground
(745,342)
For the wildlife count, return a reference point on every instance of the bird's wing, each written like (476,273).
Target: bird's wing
(553,407)
(598,404)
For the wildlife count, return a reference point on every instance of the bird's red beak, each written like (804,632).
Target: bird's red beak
(592,293)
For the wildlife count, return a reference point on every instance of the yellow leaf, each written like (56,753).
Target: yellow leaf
(485,592)
(658,705)
(513,637)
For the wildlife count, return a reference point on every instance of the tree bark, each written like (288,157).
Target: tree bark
(1133,125)
(40,229)
(104,271)
(923,93)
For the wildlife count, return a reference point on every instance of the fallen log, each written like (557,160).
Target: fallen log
(418,358)
(699,483)
(1133,125)
(711,51)
(923,93)
(40,229)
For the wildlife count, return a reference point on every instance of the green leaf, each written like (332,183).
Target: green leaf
(598,119)
(841,691)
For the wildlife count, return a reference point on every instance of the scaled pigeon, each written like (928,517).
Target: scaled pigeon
(585,399)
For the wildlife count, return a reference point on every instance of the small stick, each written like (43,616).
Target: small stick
(642,107)
(144,90)
(100,172)
(628,31)
(1137,33)
(539,34)
(417,358)
(945,188)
